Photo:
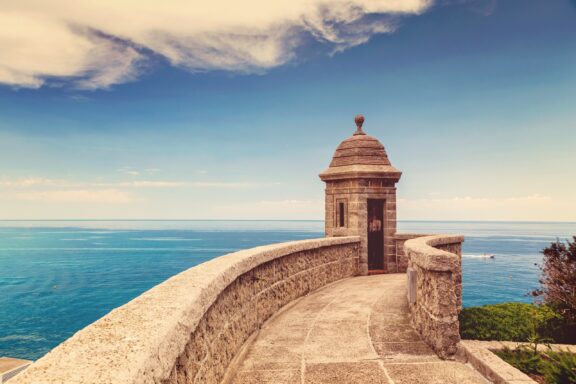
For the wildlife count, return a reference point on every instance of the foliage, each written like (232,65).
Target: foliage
(541,317)
(561,368)
(526,361)
(558,281)
(506,321)
(553,367)
(558,285)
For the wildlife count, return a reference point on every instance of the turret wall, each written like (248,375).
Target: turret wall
(354,193)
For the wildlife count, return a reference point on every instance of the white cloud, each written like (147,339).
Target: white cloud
(129,171)
(108,196)
(474,202)
(535,207)
(177,184)
(142,184)
(223,184)
(39,45)
(27,182)
(41,182)
(98,43)
(271,209)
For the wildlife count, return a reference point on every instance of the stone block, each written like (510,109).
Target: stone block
(360,372)
(270,300)
(208,373)
(268,377)
(264,276)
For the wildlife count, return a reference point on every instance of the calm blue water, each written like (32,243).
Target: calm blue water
(58,277)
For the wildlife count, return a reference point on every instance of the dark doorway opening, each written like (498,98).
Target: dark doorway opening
(376,235)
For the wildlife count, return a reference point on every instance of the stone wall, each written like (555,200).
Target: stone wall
(437,263)
(189,328)
(398,262)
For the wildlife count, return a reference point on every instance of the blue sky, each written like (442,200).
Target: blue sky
(473,100)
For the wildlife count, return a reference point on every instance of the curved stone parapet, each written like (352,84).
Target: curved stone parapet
(398,262)
(435,290)
(189,328)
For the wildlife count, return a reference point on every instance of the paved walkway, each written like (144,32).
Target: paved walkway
(354,331)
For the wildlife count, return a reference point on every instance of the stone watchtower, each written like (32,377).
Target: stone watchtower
(361,199)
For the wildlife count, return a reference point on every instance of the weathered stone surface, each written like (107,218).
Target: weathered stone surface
(434,314)
(350,373)
(353,331)
(398,256)
(189,328)
(270,377)
(434,372)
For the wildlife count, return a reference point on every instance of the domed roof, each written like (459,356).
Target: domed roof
(360,155)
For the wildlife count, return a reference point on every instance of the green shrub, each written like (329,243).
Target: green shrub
(526,361)
(506,321)
(560,368)
(553,367)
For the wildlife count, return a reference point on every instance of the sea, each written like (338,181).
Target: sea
(56,277)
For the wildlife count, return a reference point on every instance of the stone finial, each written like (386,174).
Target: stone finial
(359,120)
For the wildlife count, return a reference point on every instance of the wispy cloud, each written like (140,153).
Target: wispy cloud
(141,184)
(41,182)
(108,196)
(51,192)
(46,190)
(227,185)
(129,171)
(474,202)
(272,209)
(96,44)
(28,182)
(526,207)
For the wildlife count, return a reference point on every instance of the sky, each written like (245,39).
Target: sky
(230,110)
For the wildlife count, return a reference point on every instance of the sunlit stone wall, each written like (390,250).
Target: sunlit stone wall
(399,260)
(436,264)
(189,328)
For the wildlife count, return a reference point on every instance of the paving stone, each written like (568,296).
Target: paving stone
(268,377)
(382,332)
(265,357)
(345,373)
(444,372)
(351,331)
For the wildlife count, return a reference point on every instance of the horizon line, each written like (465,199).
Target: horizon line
(300,220)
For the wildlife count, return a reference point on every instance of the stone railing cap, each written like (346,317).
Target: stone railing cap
(422,251)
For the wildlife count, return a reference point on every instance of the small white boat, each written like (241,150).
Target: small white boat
(483,256)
